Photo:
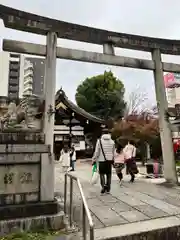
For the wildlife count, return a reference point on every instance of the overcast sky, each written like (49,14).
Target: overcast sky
(157,18)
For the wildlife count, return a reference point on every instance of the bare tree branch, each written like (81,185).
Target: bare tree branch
(136,102)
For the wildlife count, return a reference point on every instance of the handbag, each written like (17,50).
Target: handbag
(133,167)
(111,161)
(131,164)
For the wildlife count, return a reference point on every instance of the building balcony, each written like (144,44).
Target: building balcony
(13,89)
(28,80)
(14,66)
(14,55)
(12,95)
(13,82)
(13,74)
(28,73)
(28,65)
(28,88)
(27,92)
(14,59)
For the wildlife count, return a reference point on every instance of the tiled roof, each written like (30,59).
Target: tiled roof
(61,97)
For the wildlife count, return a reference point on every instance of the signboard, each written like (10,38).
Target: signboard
(19,179)
(19,183)
(172,80)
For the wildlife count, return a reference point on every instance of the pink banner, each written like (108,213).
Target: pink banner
(169,79)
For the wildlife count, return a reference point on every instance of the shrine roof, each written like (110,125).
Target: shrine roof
(29,22)
(61,97)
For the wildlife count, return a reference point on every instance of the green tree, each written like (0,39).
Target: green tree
(102,95)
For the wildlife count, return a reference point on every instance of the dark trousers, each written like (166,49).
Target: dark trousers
(72,164)
(129,169)
(120,176)
(105,183)
(132,176)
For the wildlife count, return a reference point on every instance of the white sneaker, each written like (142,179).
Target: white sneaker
(120,182)
(69,169)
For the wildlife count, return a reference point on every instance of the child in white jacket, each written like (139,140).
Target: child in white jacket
(65,159)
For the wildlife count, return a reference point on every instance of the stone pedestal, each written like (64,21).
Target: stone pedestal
(26,182)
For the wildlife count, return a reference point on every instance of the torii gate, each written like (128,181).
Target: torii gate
(54,29)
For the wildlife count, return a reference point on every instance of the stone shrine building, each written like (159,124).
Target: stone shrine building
(74,125)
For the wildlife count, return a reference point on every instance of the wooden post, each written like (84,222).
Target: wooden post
(47,167)
(164,125)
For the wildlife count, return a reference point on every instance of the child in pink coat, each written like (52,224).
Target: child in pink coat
(119,162)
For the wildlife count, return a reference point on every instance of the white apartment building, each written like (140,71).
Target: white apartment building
(4,73)
(28,77)
(21,75)
(11,76)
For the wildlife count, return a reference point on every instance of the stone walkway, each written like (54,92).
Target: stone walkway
(131,207)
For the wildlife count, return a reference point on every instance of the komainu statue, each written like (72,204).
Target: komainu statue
(12,118)
(27,115)
(34,110)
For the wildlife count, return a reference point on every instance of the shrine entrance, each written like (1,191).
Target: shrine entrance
(73,125)
(54,29)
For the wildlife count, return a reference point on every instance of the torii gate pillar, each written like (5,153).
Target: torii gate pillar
(164,125)
(47,193)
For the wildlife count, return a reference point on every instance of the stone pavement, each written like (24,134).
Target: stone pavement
(130,208)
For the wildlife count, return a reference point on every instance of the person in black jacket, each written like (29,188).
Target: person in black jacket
(72,157)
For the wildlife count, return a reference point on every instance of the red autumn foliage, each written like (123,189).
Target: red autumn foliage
(136,127)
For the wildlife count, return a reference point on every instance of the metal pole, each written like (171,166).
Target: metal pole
(164,125)
(70,130)
(84,222)
(91,233)
(65,194)
(70,139)
(71,203)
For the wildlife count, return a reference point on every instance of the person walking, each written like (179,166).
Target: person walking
(104,157)
(130,154)
(119,162)
(65,159)
(73,157)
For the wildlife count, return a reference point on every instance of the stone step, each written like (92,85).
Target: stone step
(28,209)
(54,222)
(162,228)
(159,228)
